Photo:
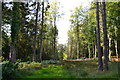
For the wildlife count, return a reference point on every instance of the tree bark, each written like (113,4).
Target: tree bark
(105,45)
(71,49)
(95,55)
(0,29)
(100,63)
(116,48)
(14,30)
(35,32)
(109,48)
(12,55)
(78,42)
(54,40)
(89,51)
(116,43)
(41,32)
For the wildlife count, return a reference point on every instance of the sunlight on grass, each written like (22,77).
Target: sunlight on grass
(72,69)
(51,71)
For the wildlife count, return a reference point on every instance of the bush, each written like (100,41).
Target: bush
(50,62)
(29,64)
(82,57)
(9,69)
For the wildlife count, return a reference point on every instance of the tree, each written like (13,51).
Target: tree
(113,27)
(41,32)
(105,39)
(14,31)
(52,15)
(35,31)
(0,28)
(100,64)
(76,22)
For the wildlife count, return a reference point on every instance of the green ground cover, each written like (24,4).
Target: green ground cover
(69,69)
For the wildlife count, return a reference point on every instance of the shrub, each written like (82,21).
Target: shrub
(9,69)
(29,64)
(82,57)
(50,62)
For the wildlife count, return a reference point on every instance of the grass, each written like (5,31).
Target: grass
(70,69)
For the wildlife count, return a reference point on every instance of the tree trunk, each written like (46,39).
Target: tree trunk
(71,49)
(105,45)
(0,29)
(78,42)
(54,44)
(41,32)
(35,33)
(12,55)
(93,51)
(100,63)
(14,31)
(89,51)
(116,47)
(95,55)
(69,53)
(109,48)
(118,40)
(116,43)
(54,38)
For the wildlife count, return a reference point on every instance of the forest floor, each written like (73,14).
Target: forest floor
(70,69)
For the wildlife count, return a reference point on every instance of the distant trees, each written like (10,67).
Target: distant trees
(94,33)
(76,26)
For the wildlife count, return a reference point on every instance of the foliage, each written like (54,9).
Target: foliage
(87,31)
(9,69)
(50,62)
(82,57)
(29,65)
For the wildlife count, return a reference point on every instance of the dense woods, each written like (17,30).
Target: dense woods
(30,34)
(36,29)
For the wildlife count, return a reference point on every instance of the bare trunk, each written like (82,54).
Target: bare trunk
(35,34)
(69,48)
(89,51)
(116,48)
(42,24)
(105,45)
(55,34)
(100,63)
(78,42)
(116,43)
(95,55)
(0,29)
(93,51)
(54,48)
(70,51)
(109,49)
(12,55)
(54,44)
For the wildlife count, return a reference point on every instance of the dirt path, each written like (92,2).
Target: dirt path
(86,59)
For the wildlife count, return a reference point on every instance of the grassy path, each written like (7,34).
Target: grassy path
(49,71)
(72,69)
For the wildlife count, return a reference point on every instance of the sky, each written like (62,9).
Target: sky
(63,24)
